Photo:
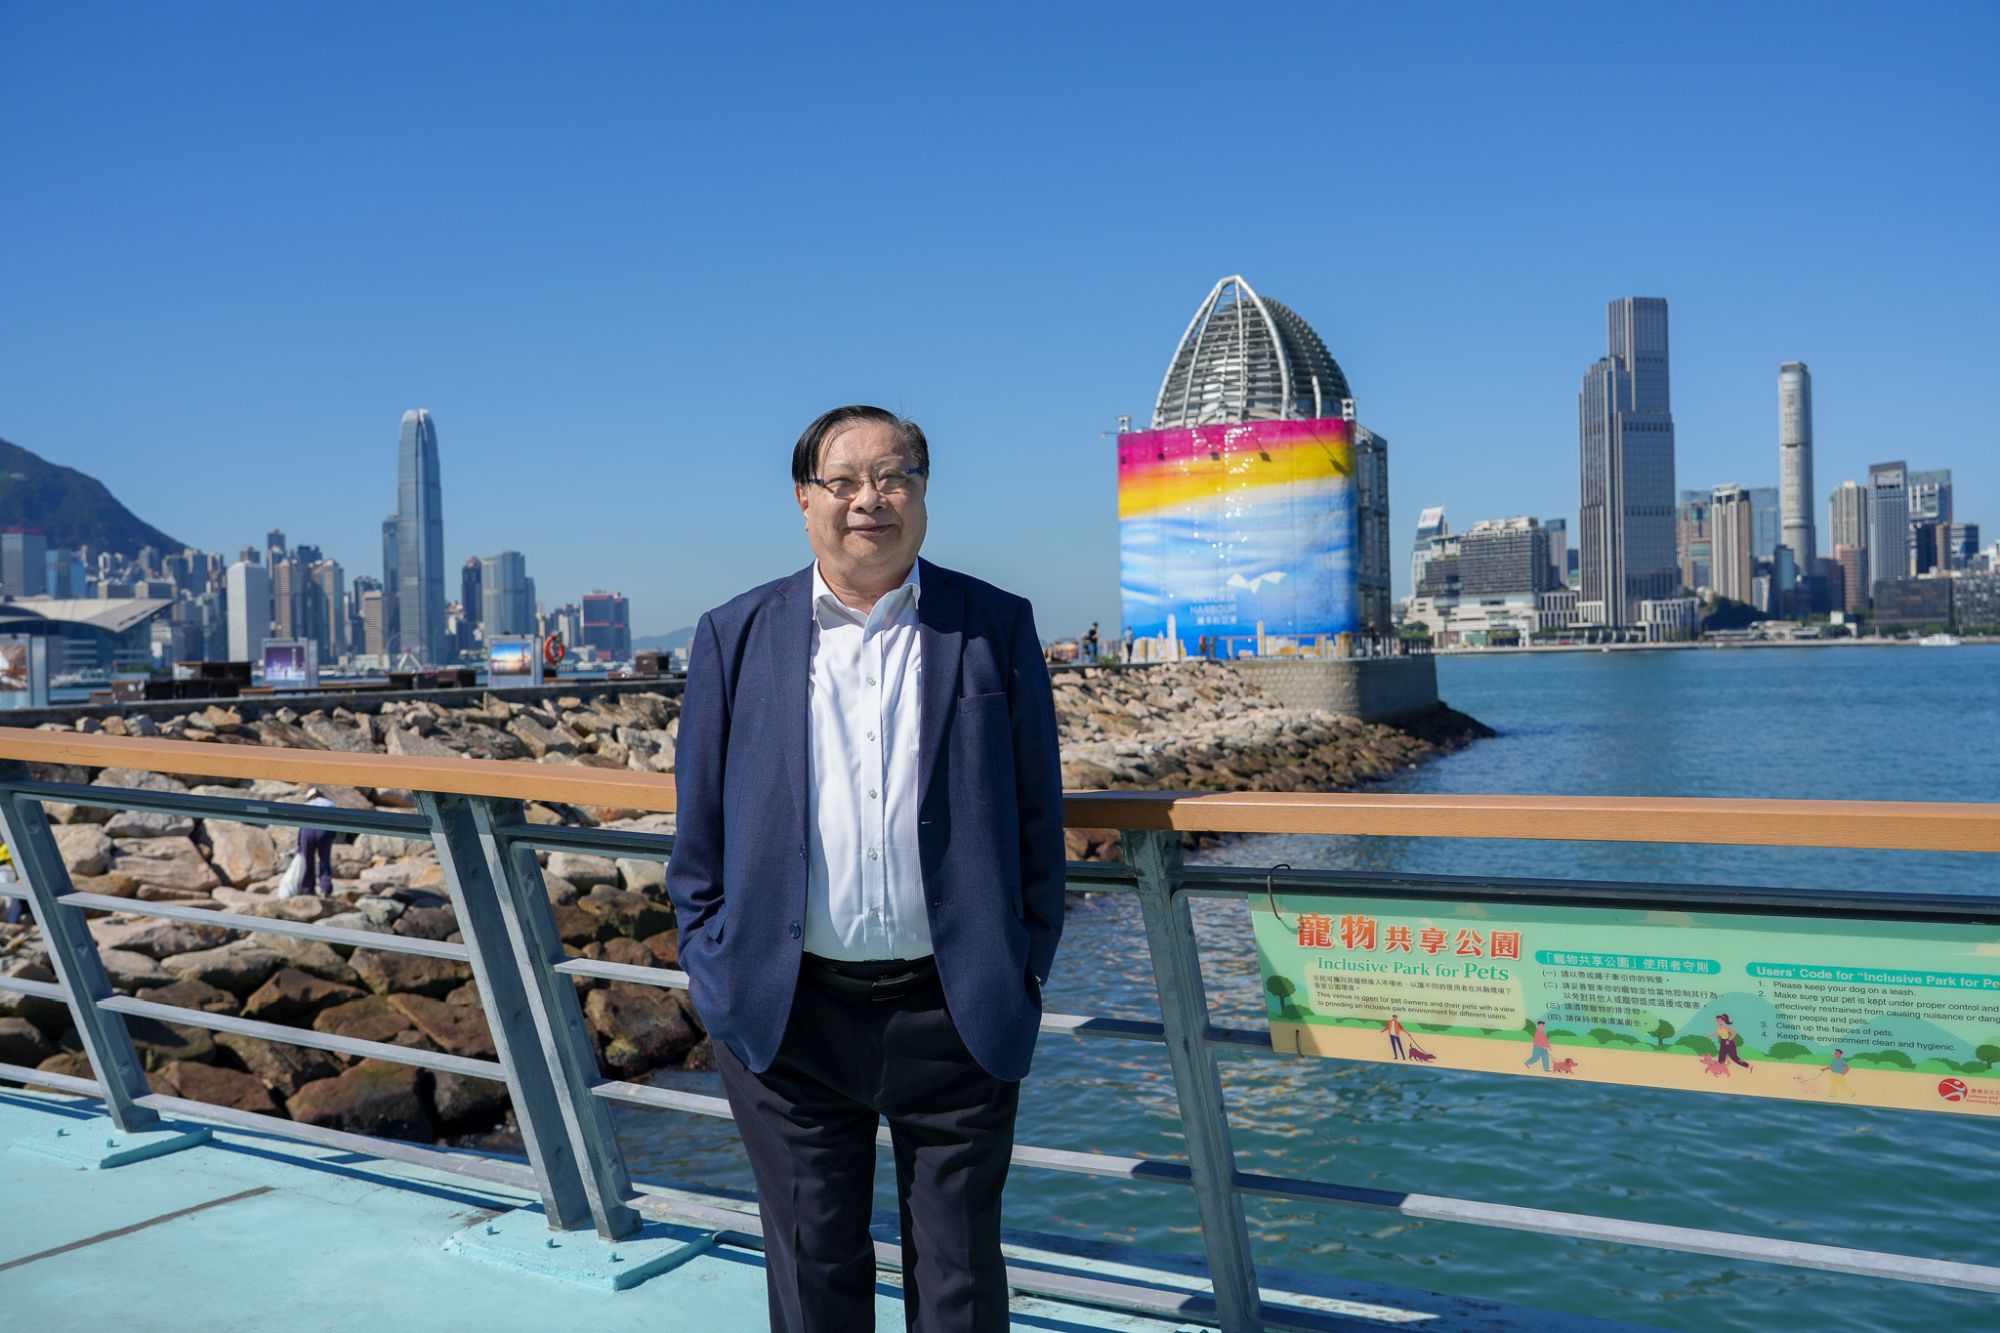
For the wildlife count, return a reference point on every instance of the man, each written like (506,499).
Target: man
(868,877)
(316,848)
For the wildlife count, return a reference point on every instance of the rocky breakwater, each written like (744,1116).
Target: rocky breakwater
(605,908)
(1201,726)
(1188,727)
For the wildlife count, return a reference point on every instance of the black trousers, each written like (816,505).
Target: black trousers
(808,1123)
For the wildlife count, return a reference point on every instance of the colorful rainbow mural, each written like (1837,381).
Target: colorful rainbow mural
(1225,526)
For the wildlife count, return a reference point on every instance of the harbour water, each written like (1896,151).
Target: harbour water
(1861,723)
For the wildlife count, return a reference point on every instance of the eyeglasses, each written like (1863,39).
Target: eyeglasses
(889,481)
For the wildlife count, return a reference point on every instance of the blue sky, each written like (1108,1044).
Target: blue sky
(624,252)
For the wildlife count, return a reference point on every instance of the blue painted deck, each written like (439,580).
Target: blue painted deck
(255,1231)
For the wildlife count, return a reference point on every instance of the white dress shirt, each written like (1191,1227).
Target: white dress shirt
(865,881)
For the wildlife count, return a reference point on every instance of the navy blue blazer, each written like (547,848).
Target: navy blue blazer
(989,815)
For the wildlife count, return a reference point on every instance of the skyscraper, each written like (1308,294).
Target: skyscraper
(1693,551)
(329,611)
(1888,524)
(1795,463)
(419,541)
(1930,496)
(249,611)
(470,599)
(1625,426)
(508,594)
(1431,525)
(1558,530)
(1371,495)
(24,562)
(1764,530)
(607,625)
(391,546)
(1847,512)
(1733,562)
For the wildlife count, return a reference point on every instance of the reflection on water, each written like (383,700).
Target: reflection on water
(1798,723)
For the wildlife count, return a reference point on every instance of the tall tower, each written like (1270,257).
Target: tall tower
(1847,509)
(1888,524)
(1795,473)
(1625,430)
(419,541)
(1729,526)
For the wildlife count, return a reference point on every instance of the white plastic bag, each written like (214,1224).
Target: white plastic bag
(295,877)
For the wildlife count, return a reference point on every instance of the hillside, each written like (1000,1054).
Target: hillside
(73,508)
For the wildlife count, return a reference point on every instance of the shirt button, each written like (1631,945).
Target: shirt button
(871,680)
(795,930)
(871,735)
(872,853)
(871,794)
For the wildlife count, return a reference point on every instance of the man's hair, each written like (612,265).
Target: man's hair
(806,453)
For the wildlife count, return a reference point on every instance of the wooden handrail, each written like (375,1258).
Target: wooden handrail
(1947,826)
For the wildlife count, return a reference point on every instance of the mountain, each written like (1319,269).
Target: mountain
(660,643)
(72,508)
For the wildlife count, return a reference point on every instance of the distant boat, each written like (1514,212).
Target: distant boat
(1940,641)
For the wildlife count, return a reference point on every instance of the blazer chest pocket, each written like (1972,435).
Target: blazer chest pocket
(974,705)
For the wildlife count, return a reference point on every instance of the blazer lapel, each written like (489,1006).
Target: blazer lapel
(941,622)
(792,670)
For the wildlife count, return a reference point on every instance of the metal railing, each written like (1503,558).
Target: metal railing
(472,811)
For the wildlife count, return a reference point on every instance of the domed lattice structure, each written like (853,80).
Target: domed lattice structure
(1246,357)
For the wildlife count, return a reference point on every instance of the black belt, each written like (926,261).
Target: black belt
(875,979)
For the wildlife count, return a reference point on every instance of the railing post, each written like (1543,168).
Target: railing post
(73,955)
(1155,857)
(538,1028)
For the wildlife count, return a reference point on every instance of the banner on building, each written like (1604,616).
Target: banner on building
(291,664)
(1224,527)
(24,671)
(1872,1013)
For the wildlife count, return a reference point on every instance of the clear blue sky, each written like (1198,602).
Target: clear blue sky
(624,252)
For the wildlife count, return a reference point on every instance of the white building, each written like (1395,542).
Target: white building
(249,594)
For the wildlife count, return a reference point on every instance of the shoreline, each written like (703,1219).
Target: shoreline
(1708,645)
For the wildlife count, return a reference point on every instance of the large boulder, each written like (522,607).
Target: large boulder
(238,967)
(402,741)
(279,1065)
(641,1028)
(241,853)
(160,1044)
(22,1043)
(156,937)
(214,1085)
(371,1018)
(462,1103)
(291,995)
(193,995)
(316,957)
(148,824)
(427,923)
(140,779)
(644,876)
(384,972)
(131,970)
(167,863)
(86,848)
(457,1028)
(630,914)
(584,870)
(331,735)
(375,1097)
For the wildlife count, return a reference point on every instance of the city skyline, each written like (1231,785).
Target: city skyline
(244,335)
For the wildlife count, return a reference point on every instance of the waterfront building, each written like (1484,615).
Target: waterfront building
(1964,544)
(1913,603)
(1853,562)
(1730,526)
(1833,584)
(1976,602)
(566,623)
(24,562)
(607,625)
(1669,619)
(420,541)
(1764,521)
(67,576)
(1431,525)
(1371,530)
(508,593)
(1795,464)
(91,634)
(1888,524)
(1502,556)
(249,603)
(1693,550)
(1626,447)
(1558,530)
(1240,510)
(1555,610)
(1847,512)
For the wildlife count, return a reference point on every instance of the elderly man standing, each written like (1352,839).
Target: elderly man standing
(868,873)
